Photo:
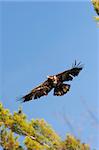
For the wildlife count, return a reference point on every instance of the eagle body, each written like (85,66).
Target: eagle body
(55,82)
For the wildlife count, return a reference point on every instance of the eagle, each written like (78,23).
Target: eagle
(55,82)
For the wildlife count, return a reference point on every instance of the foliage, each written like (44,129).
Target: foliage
(96,8)
(38,135)
(72,143)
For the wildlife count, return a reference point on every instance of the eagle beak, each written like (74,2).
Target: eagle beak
(47,76)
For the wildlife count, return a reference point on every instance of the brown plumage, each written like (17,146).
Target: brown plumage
(56,82)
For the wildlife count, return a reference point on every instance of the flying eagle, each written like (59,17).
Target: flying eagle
(54,82)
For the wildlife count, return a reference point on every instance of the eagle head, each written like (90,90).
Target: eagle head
(53,79)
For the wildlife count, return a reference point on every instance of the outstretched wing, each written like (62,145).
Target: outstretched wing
(41,90)
(69,74)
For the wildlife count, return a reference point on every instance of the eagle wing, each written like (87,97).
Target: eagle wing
(41,90)
(69,74)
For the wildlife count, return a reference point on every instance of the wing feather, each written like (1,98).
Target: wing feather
(41,90)
(69,74)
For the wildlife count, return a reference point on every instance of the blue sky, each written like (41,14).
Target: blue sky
(45,38)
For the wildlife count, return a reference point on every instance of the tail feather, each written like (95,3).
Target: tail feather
(61,89)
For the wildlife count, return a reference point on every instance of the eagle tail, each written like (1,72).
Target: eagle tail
(61,89)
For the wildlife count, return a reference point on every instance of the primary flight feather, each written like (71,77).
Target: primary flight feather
(54,82)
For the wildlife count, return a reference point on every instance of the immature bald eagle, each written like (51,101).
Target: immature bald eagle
(56,82)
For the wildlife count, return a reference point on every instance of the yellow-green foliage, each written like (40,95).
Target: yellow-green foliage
(72,143)
(7,139)
(96,8)
(38,135)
